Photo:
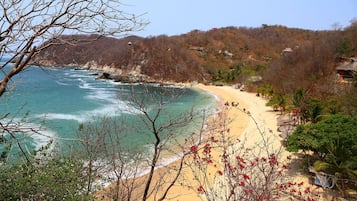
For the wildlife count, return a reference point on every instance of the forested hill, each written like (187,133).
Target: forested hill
(220,55)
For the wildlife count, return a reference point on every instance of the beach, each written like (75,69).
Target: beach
(256,124)
(250,120)
(241,124)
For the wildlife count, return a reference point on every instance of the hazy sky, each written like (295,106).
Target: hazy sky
(173,17)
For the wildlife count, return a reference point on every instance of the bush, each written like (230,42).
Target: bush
(55,179)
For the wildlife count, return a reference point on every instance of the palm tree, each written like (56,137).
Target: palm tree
(338,163)
(281,101)
(299,100)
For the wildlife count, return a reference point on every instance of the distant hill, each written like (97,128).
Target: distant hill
(228,54)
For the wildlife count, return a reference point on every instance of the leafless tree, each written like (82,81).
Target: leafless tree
(107,159)
(161,130)
(26,25)
(16,130)
(163,127)
(242,170)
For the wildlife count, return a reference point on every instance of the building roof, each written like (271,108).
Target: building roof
(288,49)
(348,65)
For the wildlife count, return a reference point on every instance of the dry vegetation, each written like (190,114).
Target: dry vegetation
(214,55)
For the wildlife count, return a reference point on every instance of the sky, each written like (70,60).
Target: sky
(175,17)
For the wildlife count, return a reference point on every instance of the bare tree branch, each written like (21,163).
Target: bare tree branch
(26,25)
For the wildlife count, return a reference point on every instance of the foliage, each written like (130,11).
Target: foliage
(332,105)
(312,109)
(163,57)
(349,98)
(299,98)
(266,90)
(27,28)
(53,179)
(227,76)
(278,100)
(318,137)
(344,48)
(13,132)
(200,55)
(334,139)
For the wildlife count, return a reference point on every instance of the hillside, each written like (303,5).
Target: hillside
(228,54)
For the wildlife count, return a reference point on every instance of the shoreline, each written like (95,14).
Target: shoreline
(240,124)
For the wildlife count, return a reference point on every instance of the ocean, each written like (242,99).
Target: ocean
(59,101)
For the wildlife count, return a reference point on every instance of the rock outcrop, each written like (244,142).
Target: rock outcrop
(110,72)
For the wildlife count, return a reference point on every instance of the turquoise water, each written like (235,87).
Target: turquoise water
(58,100)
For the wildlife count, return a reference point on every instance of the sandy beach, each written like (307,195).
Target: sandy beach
(241,125)
(251,114)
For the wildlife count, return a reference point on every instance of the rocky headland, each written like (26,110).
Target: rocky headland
(283,57)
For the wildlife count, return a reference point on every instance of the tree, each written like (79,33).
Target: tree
(278,100)
(108,153)
(299,97)
(25,25)
(334,140)
(108,160)
(312,109)
(349,98)
(27,28)
(60,178)
(162,128)
(242,171)
(299,100)
(344,48)
(266,90)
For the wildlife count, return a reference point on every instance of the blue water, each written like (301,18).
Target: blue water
(57,101)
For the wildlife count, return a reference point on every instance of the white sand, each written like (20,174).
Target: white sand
(242,126)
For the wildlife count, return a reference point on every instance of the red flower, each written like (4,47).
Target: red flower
(241,166)
(220,172)
(293,190)
(207,148)
(286,167)
(242,183)
(194,148)
(246,177)
(200,189)
(310,199)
